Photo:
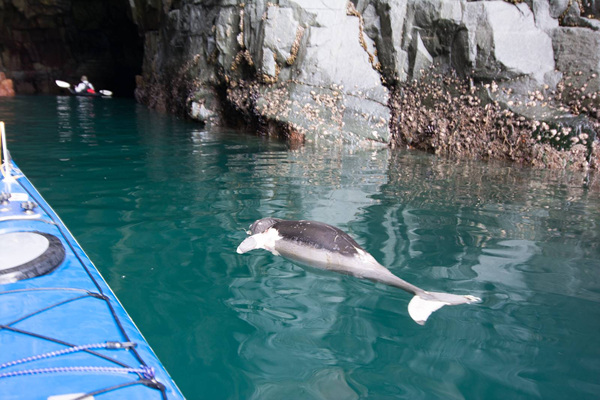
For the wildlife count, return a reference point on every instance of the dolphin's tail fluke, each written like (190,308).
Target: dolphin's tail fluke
(423,304)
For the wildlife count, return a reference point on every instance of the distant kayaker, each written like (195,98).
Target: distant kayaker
(85,86)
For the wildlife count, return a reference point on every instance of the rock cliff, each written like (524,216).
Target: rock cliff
(369,70)
(513,79)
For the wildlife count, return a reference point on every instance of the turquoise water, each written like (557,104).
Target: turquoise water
(160,205)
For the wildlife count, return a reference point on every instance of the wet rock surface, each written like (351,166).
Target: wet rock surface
(316,74)
(6,86)
(454,118)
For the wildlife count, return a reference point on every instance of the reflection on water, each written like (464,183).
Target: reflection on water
(160,206)
(75,113)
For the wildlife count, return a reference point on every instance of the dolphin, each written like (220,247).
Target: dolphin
(326,247)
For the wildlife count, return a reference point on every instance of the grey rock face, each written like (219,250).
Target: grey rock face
(578,53)
(485,39)
(504,42)
(542,14)
(323,69)
(315,61)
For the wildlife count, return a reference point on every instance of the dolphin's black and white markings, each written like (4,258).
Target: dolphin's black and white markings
(327,247)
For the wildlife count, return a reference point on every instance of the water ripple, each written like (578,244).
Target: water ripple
(160,205)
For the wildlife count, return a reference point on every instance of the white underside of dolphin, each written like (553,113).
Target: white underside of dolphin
(326,247)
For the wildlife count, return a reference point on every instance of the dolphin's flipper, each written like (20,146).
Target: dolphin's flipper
(422,305)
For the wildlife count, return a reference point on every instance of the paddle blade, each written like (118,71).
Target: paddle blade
(62,84)
(105,92)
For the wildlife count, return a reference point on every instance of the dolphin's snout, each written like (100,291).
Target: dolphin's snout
(248,244)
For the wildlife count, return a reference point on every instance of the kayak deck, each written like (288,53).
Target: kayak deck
(63,334)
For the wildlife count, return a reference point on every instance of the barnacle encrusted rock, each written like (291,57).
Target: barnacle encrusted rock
(359,71)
